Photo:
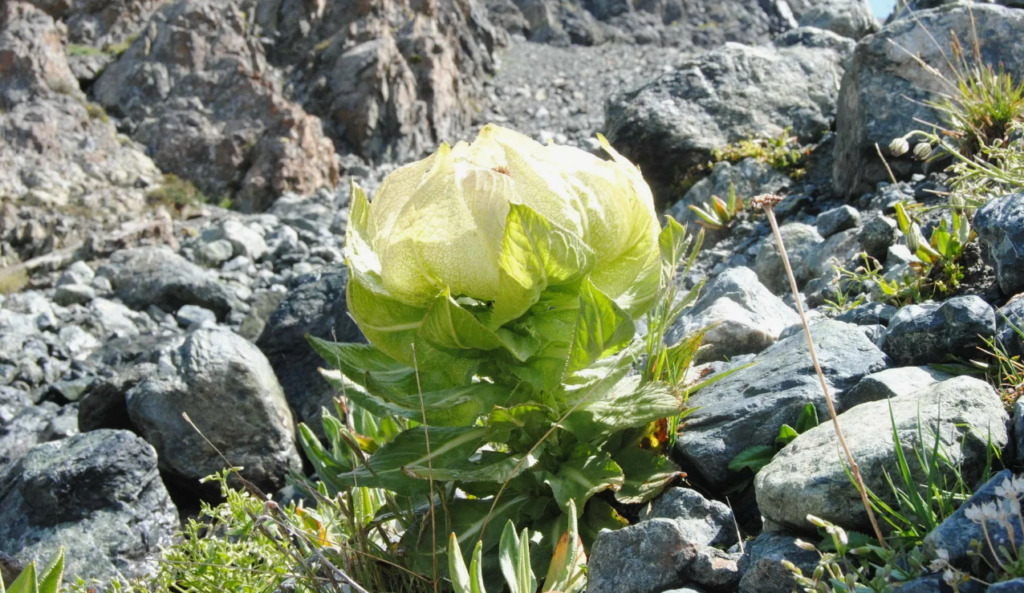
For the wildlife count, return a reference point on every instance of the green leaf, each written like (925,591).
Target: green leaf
(647,474)
(808,419)
(786,435)
(535,254)
(602,328)
(586,473)
(476,570)
(26,581)
(673,244)
(753,457)
(386,468)
(447,325)
(514,558)
(598,516)
(496,472)
(457,570)
(629,405)
(565,572)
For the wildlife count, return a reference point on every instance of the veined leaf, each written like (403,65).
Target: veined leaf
(647,474)
(386,468)
(495,472)
(535,253)
(447,325)
(586,473)
(629,405)
(673,243)
(602,328)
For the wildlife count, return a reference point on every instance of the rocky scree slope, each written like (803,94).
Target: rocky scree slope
(114,337)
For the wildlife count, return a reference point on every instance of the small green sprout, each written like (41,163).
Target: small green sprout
(719,214)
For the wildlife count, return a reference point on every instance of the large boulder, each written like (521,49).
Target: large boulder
(1000,226)
(931,332)
(748,407)
(737,91)
(227,389)
(316,307)
(196,89)
(391,79)
(810,477)
(65,172)
(98,495)
(886,88)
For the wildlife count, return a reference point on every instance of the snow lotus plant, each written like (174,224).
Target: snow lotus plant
(498,284)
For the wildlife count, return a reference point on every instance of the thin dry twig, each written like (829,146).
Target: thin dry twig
(767,202)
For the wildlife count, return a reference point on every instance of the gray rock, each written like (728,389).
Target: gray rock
(955,534)
(837,219)
(27,426)
(157,276)
(892,383)
(802,242)
(77,343)
(316,307)
(1010,326)
(103,406)
(711,568)
(877,235)
(66,295)
(762,564)
(213,253)
(120,515)
(676,121)
(748,407)
(919,334)
(743,316)
(703,522)
(641,558)
(1000,226)
(885,91)
(78,272)
(243,239)
(808,475)
(192,317)
(1011,586)
(748,177)
(229,391)
(115,320)
(869,314)
(849,18)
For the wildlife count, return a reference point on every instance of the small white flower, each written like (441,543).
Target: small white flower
(948,577)
(1004,490)
(974,513)
(941,560)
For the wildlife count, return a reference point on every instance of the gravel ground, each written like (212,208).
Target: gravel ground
(559,93)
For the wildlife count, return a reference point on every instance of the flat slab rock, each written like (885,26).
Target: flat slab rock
(748,407)
(808,476)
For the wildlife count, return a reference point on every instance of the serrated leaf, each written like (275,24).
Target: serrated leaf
(386,468)
(586,473)
(26,581)
(535,254)
(602,328)
(628,405)
(647,474)
(753,457)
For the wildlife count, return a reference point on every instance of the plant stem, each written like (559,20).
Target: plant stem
(767,202)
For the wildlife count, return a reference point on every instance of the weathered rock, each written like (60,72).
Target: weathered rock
(315,307)
(676,121)
(703,522)
(869,314)
(66,170)
(877,235)
(103,405)
(157,276)
(891,383)
(1010,326)
(837,219)
(27,425)
(1011,586)
(802,244)
(641,558)
(748,407)
(919,334)
(762,564)
(227,388)
(808,476)
(743,316)
(885,91)
(389,80)
(195,88)
(1000,226)
(849,18)
(98,495)
(244,240)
